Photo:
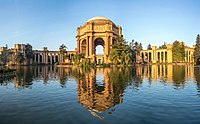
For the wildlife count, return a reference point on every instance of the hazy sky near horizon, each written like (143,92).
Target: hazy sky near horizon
(51,23)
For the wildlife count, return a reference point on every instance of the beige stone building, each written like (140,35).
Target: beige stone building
(97,31)
(157,55)
(44,56)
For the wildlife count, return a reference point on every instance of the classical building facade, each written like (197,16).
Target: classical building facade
(44,56)
(97,31)
(157,55)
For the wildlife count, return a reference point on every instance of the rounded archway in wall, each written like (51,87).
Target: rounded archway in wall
(99,46)
(83,47)
(99,50)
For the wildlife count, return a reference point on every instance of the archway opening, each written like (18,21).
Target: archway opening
(83,47)
(99,50)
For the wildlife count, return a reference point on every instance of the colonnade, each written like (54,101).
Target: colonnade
(189,56)
(47,57)
(154,56)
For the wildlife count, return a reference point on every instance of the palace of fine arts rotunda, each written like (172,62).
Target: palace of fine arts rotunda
(96,31)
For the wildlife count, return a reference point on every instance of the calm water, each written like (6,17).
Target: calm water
(143,94)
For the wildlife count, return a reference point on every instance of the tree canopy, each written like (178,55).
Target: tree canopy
(3,56)
(19,57)
(178,51)
(197,50)
(121,52)
(136,47)
(164,46)
(28,52)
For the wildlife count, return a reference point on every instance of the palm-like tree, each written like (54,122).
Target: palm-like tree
(63,51)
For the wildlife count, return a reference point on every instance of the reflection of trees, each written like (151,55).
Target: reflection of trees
(23,77)
(197,77)
(63,76)
(179,76)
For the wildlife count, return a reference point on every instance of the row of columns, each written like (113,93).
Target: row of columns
(44,59)
(90,50)
(157,56)
(189,56)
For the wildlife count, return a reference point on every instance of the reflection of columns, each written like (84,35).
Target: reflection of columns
(169,72)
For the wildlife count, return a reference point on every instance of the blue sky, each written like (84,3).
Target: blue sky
(53,22)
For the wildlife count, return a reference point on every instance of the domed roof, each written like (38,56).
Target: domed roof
(98,18)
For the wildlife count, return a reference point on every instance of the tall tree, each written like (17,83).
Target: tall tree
(3,56)
(121,52)
(28,53)
(197,50)
(178,51)
(136,47)
(19,58)
(63,51)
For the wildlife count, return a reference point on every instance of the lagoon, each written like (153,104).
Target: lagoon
(141,94)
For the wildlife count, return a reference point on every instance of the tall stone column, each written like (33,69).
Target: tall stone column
(51,59)
(38,58)
(160,56)
(87,47)
(54,58)
(91,46)
(163,56)
(46,58)
(35,57)
(111,42)
(42,57)
(78,45)
(169,56)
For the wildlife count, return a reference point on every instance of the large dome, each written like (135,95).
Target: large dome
(98,18)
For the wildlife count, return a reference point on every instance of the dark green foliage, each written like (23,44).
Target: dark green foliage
(63,51)
(121,52)
(197,51)
(3,57)
(19,57)
(77,58)
(164,46)
(28,52)
(136,47)
(178,51)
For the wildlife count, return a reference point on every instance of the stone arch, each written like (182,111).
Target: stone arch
(97,31)
(99,41)
(83,46)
